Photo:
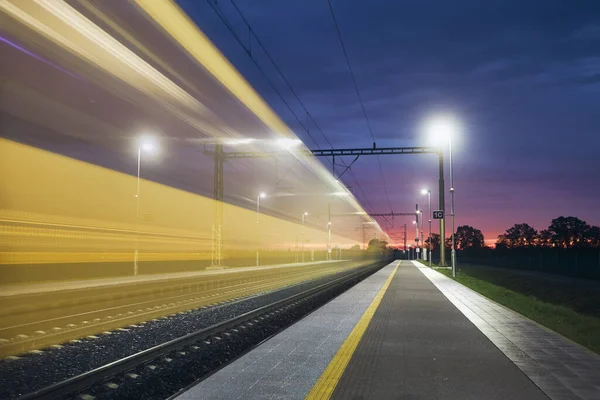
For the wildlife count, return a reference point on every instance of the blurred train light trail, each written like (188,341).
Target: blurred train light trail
(69,29)
(42,59)
(92,221)
(235,142)
(82,79)
(287,144)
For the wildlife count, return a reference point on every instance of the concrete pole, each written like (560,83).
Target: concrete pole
(430,244)
(442,206)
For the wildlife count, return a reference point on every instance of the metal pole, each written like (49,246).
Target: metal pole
(302,237)
(329,232)
(137,213)
(405,241)
(442,206)
(296,250)
(417,230)
(430,244)
(422,238)
(257,229)
(217,236)
(453,255)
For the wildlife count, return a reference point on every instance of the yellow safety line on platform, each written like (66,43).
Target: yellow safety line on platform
(326,384)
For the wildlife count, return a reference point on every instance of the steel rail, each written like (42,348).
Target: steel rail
(101,374)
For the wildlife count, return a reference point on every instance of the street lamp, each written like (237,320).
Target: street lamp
(441,129)
(422,236)
(416,224)
(146,145)
(428,193)
(261,195)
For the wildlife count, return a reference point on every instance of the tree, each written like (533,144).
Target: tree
(468,237)
(519,235)
(355,247)
(448,243)
(568,231)
(375,245)
(502,242)
(544,238)
(592,236)
(435,242)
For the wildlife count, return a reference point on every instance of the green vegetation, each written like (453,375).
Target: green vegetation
(572,311)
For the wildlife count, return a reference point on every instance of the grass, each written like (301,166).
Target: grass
(582,328)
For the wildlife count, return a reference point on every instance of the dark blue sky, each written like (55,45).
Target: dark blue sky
(523,76)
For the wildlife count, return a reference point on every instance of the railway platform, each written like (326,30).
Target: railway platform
(409,332)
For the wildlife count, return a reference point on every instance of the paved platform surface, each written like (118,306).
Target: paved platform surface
(561,368)
(420,346)
(288,365)
(15,290)
(429,338)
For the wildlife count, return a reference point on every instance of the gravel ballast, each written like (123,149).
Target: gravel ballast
(33,371)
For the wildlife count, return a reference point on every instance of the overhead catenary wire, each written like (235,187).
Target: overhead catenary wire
(248,51)
(223,19)
(362,105)
(287,82)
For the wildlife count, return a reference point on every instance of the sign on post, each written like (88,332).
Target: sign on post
(438,214)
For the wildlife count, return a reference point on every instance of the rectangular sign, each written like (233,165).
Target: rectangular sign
(438,214)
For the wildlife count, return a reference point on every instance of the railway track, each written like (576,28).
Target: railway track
(162,370)
(71,316)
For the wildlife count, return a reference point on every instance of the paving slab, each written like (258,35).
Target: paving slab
(420,346)
(290,363)
(561,368)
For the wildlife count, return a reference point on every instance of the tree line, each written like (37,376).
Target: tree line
(563,232)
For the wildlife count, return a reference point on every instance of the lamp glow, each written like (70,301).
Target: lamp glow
(441,129)
(147,144)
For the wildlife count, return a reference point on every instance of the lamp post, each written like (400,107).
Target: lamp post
(428,193)
(422,237)
(304,214)
(261,195)
(148,147)
(443,128)
(453,254)
(416,224)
